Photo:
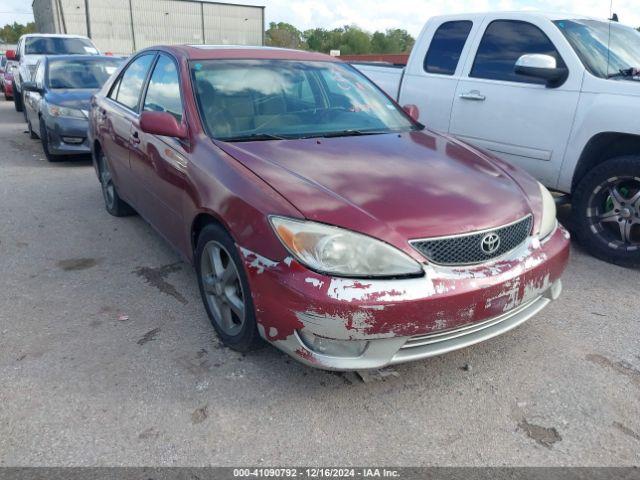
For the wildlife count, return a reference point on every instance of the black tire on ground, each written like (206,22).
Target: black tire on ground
(17,99)
(32,134)
(24,111)
(112,201)
(606,211)
(44,139)
(247,337)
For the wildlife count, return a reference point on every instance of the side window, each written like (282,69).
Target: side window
(113,93)
(132,81)
(163,93)
(503,43)
(446,47)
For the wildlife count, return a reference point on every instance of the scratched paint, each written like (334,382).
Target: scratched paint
(257,262)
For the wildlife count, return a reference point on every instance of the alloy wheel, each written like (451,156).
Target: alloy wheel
(222,287)
(108,189)
(614,212)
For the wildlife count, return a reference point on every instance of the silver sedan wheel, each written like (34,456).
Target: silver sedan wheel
(222,288)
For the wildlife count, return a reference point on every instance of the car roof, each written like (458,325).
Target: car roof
(552,16)
(52,35)
(80,57)
(213,52)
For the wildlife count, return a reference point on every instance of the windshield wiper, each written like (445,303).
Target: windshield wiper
(354,133)
(253,137)
(626,73)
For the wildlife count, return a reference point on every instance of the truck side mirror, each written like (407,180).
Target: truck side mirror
(31,87)
(412,111)
(542,66)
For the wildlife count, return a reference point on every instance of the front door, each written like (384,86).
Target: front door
(160,163)
(516,117)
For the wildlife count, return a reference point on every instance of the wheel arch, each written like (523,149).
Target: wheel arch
(602,147)
(200,221)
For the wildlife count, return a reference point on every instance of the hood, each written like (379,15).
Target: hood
(391,186)
(78,98)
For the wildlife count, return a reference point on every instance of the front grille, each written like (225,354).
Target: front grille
(469,249)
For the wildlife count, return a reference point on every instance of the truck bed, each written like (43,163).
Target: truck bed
(387,77)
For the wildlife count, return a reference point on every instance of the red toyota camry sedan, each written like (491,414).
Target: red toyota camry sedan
(319,215)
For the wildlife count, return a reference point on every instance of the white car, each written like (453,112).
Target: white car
(33,46)
(557,95)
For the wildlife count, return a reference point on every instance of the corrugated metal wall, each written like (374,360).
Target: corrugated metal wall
(124,26)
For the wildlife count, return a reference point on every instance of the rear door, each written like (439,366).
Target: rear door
(117,115)
(161,165)
(517,117)
(434,70)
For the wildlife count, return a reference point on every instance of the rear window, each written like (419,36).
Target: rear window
(85,73)
(446,47)
(58,46)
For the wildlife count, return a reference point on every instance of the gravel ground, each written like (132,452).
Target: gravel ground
(107,358)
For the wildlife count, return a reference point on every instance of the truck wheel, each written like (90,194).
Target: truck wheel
(17,99)
(606,207)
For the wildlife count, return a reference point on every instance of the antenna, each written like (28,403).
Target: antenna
(609,39)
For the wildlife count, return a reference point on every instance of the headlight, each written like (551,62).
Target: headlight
(59,111)
(336,251)
(548,224)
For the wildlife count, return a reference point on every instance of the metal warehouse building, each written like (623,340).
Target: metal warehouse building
(124,26)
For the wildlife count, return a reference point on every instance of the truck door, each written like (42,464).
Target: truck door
(430,80)
(517,117)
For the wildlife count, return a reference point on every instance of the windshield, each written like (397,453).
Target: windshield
(589,38)
(81,73)
(266,99)
(59,46)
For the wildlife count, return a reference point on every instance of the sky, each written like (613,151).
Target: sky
(382,14)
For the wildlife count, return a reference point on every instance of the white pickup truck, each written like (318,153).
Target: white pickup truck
(33,46)
(557,95)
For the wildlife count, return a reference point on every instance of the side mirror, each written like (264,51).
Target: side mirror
(31,87)
(412,111)
(162,123)
(542,66)
(11,55)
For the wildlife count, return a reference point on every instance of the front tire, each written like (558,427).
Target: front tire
(225,289)
(44,139)
(606,209)
(112,201)
(32,135)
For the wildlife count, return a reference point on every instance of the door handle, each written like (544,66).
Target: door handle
(473,95)
(135,137)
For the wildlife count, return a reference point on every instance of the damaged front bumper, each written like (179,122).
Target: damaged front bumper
(344,324)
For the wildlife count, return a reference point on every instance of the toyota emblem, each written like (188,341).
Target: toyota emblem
(490,243)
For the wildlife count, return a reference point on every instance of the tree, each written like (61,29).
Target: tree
(11,33)
(284,35)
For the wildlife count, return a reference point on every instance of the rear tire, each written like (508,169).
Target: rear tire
(225,290)
(44,139)
(606,210)
(112,201)
(17,99)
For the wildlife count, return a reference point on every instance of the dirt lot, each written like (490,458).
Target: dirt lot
(107,358)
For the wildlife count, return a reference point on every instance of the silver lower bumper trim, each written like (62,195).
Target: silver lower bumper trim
(425,346)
